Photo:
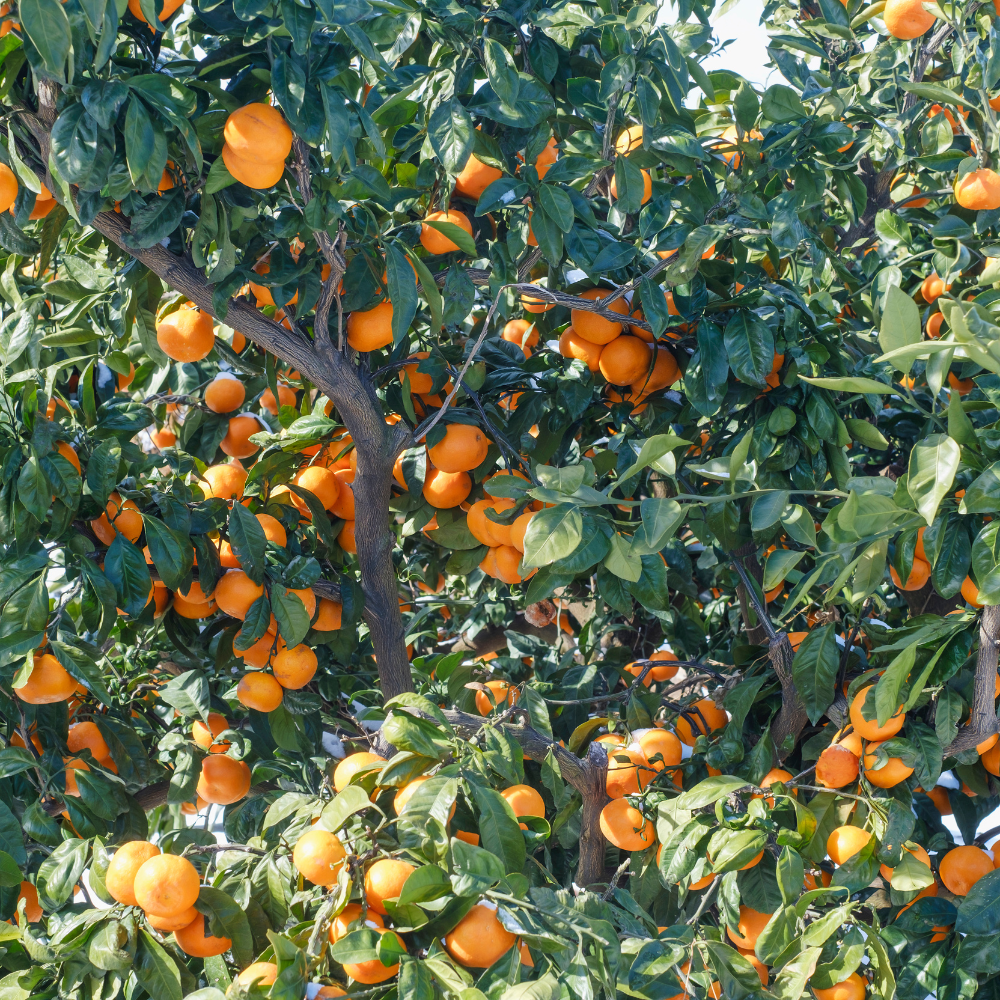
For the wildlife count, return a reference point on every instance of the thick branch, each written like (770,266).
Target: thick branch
(983,723)
(791,719)
(746,558)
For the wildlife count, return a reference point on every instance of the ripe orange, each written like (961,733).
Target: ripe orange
(462,449)
(759,967)
(629,140)
(260,692)
(917,851)
(991,761)
(223,780)
(195,941)
(321,482)
(872,730)
(195,595)
(286,397)
(891,774)
(204,735)
(119,516)
(295,668)
(624,360)
(522,333)
(524,800)
(479,939)
(962,867)
(663,742)
(384,880)
(343,506)
(772,777)
(748,928)
(503,694)
(374,971)
(475,178)
(435,242)
(624,826)
(403,796)
(420,382)
(346,539)
(546,158)
(8,187)
(484,530)
(274,530)
(126,861)
(629,776)
(49,682)
(906,18)
(262,652)
(169,6)
(647,186)
(572,345)
(851,988)
(508,564)
(971,592)
(370,330)
(193,610)
(225,481)
(846,841)
(319,856)
(931,288)
(225,393)
(258,140)
(237,443)
(186,335)
(235,592)
(836,767)
(665,372)
(445,490)
(69,454)
(340,926)
(166,885)
(329,617)
(168,924)
(593,328)
(979,190)
(920,573)
(716,718)
(261,973)
(86,736)
(32,909)
(350,766)
(731,136)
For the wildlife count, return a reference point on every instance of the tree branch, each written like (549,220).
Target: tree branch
(983,722)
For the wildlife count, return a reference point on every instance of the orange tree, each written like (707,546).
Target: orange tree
(488,502)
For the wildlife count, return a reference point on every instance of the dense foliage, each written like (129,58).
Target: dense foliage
(472,452)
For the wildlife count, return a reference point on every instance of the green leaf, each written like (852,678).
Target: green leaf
(851,384)
(553,533)
(465,243)
(46,24)
(778,565)
(189,694)
(900,321)
(125,566)
(502,71)
(248,541)
(80,666)
(750,346)
(290,612)
(172,553)
(782,104)
(979,912)
(865,433)
(814,670)
(499,829)
(450,132)
(33,489)
(10,874)
(353,799)
(102,469)
(746,106)
(60,871)
(792,979)
(402,291)
(653,450)
(888,691)
(767,509)
(225,918)
(660,519)
(933,464)
(710,790)
(155,970)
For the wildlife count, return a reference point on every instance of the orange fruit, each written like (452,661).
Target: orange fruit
(700,713)
(772,777)
(295,668)
(346,539)
(384,880)
(86,736)
(223,780)
(166,885)
(445,490)
(286,397)
(351,765)
(647,187)
(195,595)
(663,742)
(462,449)
(260,692)
(920,573)
(169,6)
(125,862)
(235,592)
(624,360)
(257,134)
(204,735)
(524,800)
(518,529)
(508,563)
(963,386)
(403,796)
(503,694)
(420,382)
(626,776)
(836,767)
(371,329)
(69,454)
(484,530)
(749,927)
(186,335)
(194,609)
(8,187)
(731,136)
(759,967)
(624,826)
(851,988)
(890,774)
(971,592)
(978,191)
(629,140)
(522,333)
(193,940)
(872,731)
(435,242)
(475,178)
(168,924)
(225,481)
(119,516)
(237,443)
(319,856)
(32,909)
(665,372)
(962,867)
(593,328)
(479,939)
(261,973)
(49,682)
(329,617)
(374,971)
(321,482)
(546,158)
(341,924)
(262,652)
(846,841)
(225,393)
(931,288)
